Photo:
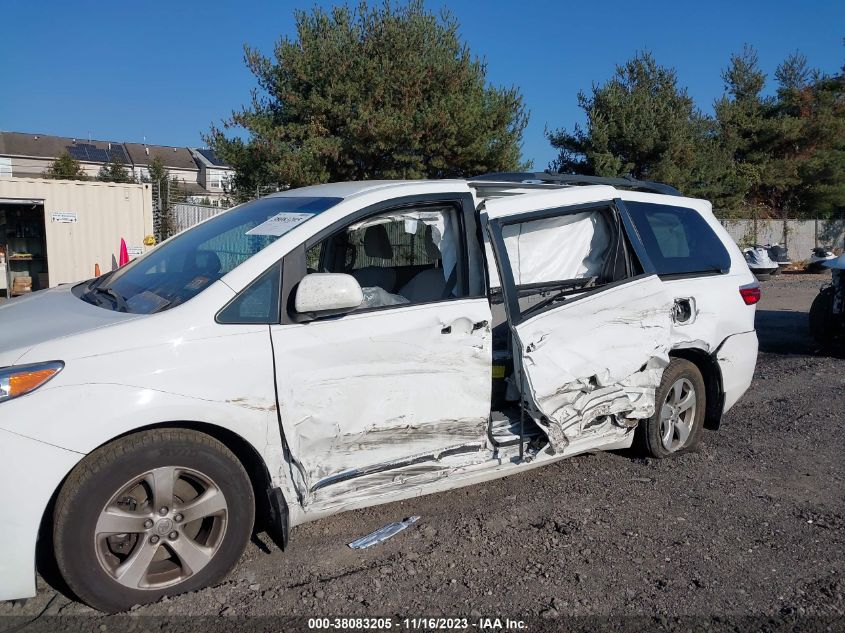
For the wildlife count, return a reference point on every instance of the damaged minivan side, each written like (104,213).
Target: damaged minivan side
(350,344)
(589,320)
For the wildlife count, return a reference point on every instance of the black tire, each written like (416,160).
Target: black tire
(648,433)
(99,479)
(821,325)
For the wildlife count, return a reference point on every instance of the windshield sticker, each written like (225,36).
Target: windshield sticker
(280,224)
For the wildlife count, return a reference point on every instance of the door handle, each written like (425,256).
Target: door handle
(475,326)
(479,325)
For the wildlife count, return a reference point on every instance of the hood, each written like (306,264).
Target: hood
(48,315)
(838,263)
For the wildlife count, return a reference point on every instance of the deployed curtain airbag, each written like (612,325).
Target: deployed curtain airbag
(554,249)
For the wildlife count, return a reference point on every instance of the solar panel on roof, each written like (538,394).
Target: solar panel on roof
(98,155)
(211,157)
(94,154)
(117,154)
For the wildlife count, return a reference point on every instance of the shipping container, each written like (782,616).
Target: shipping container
(57,231)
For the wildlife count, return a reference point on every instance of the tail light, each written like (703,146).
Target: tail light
(750,294)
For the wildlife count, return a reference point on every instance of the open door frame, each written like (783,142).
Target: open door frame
(641,292)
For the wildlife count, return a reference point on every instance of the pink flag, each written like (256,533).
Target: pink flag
(124,254)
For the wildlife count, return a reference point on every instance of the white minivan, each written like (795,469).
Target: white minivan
(351,344)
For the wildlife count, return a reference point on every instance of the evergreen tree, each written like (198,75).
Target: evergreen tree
(743,131)
(640,123)
(65,167)
(813,155)
(114,171)
(780,155)
(785,151)
(156,171)
(371,92)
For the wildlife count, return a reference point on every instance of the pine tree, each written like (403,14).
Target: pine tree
(371,92)
(65,167)
(743,132)
(114,171)
(639,123)
(786,152)
(813,155)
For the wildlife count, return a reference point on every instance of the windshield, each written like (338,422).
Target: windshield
(189,263)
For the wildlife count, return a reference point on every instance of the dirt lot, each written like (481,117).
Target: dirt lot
(751,526)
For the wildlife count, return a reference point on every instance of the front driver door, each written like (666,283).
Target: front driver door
(590,320)
(397,392)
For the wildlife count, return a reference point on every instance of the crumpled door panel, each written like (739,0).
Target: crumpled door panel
(592,365)
(368,394)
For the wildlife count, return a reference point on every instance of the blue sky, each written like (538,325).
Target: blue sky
(166,70)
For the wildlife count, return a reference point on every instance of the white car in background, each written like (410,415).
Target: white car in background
(352,344)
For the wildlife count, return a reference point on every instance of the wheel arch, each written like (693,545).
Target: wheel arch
(252,462)
(712,374)
(271,508)
(271,513)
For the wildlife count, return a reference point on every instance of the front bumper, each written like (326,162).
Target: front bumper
(30,472)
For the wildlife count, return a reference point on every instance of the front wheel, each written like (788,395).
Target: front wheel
(679,407)
(156,513)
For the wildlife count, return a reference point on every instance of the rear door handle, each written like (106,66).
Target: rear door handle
(475,326)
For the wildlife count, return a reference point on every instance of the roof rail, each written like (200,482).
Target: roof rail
(545,177)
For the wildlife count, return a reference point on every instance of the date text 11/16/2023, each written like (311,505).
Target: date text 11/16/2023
(417,624)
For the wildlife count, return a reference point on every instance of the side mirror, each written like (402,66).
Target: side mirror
(327,293)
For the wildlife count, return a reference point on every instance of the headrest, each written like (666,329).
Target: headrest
(377,243)
(430,247)
(204,261)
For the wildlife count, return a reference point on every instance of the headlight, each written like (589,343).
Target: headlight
(23,379)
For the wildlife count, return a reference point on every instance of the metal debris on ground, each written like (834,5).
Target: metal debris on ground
(382,534)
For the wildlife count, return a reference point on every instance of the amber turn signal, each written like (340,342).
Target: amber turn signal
(24,379)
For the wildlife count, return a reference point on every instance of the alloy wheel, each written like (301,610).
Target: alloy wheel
(161,528)
(677,415)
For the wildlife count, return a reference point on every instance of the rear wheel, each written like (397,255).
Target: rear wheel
(678,418)
(152,514)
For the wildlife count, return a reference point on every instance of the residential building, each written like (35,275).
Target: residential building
(203,176)
(215,175)
(29,155)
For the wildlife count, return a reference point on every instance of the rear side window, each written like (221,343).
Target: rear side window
(678,240)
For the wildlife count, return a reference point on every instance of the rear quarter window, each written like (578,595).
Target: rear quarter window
(678,240)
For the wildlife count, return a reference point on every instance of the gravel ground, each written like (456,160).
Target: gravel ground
(745,534)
